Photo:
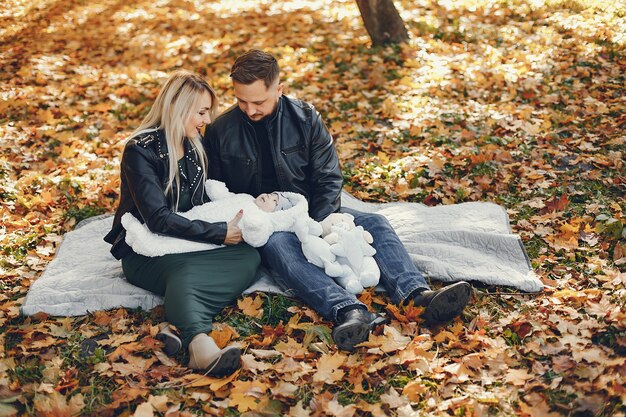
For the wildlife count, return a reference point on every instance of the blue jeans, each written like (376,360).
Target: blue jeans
(283,254)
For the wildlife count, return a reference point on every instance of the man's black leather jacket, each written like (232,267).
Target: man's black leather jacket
(144,174)
(304,155)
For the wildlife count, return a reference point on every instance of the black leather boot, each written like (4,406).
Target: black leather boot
(445,303)
(354,327)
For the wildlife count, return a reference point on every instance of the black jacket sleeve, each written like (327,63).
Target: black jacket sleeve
(210,141)
(326,179)
(139,169)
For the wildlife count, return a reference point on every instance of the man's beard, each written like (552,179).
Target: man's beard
(254,119)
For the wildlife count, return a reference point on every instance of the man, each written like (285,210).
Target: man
(270,142)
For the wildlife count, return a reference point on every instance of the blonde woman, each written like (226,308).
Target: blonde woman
(163,171)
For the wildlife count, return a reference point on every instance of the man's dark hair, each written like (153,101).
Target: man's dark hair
(255,65)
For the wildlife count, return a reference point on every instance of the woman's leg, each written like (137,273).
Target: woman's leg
(196,286)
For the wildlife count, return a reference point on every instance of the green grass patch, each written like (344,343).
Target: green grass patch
(535,247)
(345,395)
(400,380)
(610,338)
(82,213)
(19,246)
(560,397)
(305,394)
(97,394)
(275,308)
(28,371)
(484,168)
(75,352)
(511,338)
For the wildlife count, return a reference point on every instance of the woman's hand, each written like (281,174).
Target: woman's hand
(233,232)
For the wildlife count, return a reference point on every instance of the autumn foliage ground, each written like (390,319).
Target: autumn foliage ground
(521,103)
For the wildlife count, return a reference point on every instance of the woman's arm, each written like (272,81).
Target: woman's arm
(139,169)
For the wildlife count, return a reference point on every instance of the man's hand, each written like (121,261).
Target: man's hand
(233,232)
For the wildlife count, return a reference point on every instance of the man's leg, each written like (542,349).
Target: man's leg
(401,278)
(283,254)
(397,272)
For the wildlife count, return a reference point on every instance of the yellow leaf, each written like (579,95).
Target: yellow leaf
(336,127)
(569,228)
(415,130)
(45,116)
(67,152)
(384,158)
(567,242)
(435,166)
(195,380)
(251,307)
(414,390)
(460,371)
(101,107)
(567,294)
(106,134)
(47,196)
(408,81)
(328,368)
(517,377)
(390,341)
(244,394)
(291,349)
(159,402)
(389,108)
(53,405)
(144,410)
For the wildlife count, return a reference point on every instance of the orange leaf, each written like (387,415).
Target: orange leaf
(556,204)
(222,334)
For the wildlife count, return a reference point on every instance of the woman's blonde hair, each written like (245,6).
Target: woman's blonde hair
(178,98)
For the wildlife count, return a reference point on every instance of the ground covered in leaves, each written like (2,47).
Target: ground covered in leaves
(520,102)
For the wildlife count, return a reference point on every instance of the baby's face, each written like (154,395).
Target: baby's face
(267,202)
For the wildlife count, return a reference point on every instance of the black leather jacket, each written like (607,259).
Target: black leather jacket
(144,175)
(304,155)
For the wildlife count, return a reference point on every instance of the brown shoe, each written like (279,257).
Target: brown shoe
(204,355)
(444,304)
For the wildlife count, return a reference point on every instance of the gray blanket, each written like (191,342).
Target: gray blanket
(468,241)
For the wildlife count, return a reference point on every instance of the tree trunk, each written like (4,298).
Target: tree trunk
(382,21)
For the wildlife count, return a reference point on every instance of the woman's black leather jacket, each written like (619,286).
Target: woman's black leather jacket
(144,174)
(304,155)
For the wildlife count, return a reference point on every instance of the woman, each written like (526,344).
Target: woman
(163,172)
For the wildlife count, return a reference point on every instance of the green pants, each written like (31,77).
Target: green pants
(196,286)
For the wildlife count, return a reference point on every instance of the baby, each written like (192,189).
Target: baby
(262,216)
(275,201)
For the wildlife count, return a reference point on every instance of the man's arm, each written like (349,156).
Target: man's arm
(326,178)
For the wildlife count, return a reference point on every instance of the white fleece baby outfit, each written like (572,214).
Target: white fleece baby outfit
(256,225)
